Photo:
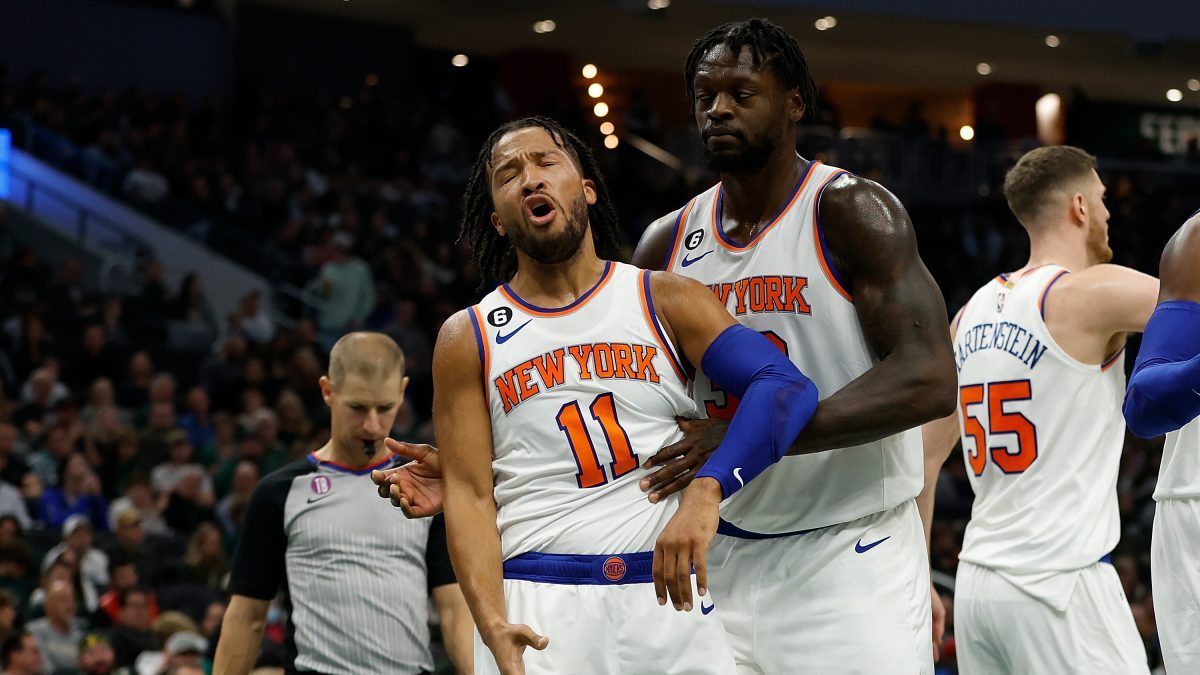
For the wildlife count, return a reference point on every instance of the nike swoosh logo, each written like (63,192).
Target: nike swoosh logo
(706,610)
(737,473)
(859,548)
(501,339)
(691,261)
(317,499)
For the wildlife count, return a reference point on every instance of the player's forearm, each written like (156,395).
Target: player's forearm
(241,634)
(895,395)
(474,544)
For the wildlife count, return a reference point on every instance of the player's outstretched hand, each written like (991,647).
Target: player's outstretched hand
(415,487)
(508,642)
(680,461)
(683,545)
(939,622)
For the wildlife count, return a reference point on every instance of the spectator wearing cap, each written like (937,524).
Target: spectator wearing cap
(77,541)
(132,633)
(77,494)
(59,632)
(183,649)
(96,656)
(20,655)
(344,290)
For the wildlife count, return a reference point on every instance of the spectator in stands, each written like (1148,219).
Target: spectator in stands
(102,396)
(135,390)
(44,462)
(165,476)
(154,442)
(120,460)
(205,563)
(59,632)
(96,358)
(197,421)
(16,564)
(12,500)
(145,184)
(24,282)
(129,542)
(132,633)
(91,562)
(344,289)
(245,479)
(66,300)
(20,655)
(252,320)
(36,410)
(78,494)
(96,655)
(13,466)
(210,624)
(192,308)
(8,614)
(64,568)
(189,505)
(295,426)
(123,577)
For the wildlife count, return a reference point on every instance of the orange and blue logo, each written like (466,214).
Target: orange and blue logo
(614,569)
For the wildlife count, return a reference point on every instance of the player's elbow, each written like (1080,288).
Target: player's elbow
(933,391)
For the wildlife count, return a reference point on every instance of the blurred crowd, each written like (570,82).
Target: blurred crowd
(126,458)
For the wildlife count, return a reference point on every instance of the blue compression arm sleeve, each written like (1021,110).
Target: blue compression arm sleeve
(777,401)
(1164,391)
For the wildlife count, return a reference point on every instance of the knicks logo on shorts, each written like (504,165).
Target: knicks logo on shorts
(614,569)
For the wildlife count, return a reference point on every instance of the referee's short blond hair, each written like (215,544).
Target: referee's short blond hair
(371,356)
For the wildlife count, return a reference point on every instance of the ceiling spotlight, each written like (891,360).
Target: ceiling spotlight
(1194,84)
(983,68)
(601,109)
(546,26)
(1053,41)
(610,142)
(595,90)
(607,128)
(372,80)
(967,132)
(459,60)
(825,23)
(589,71)
(658,4)
(1174,95)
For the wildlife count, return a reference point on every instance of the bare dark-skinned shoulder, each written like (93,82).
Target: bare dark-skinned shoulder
(655,244)
(1179,269)
(866,227)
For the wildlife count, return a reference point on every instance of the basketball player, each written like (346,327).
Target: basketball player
(1040,354)
(547,396)
(825,264)
(1164,397)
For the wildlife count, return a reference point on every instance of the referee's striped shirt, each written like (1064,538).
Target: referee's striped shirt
(352,568)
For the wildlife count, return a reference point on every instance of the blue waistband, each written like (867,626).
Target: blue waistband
(730,530)
(1106,558)
(586,570)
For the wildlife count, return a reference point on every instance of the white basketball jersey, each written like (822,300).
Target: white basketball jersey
(579,397)
(1042,436)
(1179,476)
(782,284)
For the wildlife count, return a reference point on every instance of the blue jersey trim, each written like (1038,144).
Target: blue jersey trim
(582,570)
(675,359)
(730,530)
(786,205)
(556,310)
(824,247)
(1046,291)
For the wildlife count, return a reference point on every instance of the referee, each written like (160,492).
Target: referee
(356,574)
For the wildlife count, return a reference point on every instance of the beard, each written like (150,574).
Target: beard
(1097,245)
(749,158)
(554,248)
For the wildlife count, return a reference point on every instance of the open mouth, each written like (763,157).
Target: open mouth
(539,209)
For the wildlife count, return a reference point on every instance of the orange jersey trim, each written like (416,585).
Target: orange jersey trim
(680,222)
(655,329)
(485,354)
(822,255)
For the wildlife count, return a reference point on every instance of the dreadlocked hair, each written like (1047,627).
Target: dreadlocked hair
(494,254)
(769,45)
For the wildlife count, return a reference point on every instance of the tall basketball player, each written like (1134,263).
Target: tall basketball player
(1040,354)
(548,395)
(1164,397)
(824,263)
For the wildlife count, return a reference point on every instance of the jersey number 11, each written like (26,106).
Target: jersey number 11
(604,410)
